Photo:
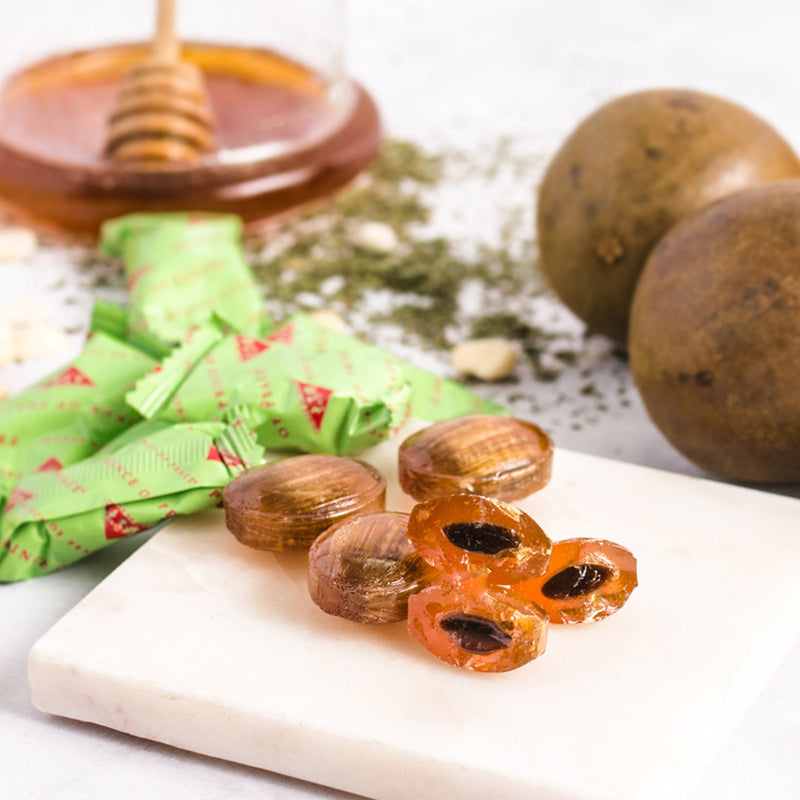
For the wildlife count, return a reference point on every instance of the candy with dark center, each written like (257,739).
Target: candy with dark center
(475,634)
(575,581)
(481,537)
(467,535)
(586,580)
(477,626)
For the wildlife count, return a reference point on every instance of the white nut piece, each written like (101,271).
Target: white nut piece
(39,341)
(490,359)
(17,244)
(329,319)
(375,237)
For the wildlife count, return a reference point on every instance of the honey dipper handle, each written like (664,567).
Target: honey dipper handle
(165,44)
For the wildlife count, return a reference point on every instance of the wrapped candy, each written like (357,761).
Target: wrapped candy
(71,413)
(149,473)
(432,397)
(338,401)
(182,270)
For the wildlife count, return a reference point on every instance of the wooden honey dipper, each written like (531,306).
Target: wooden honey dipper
(162,115)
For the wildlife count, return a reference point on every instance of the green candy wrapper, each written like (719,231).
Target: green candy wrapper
(337,399)
(432,397)
(182,270)
(151,472)
(304,387)
(72,412)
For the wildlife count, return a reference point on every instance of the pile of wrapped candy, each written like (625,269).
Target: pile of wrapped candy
(183,390)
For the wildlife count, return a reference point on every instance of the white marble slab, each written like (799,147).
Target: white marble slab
(197,642)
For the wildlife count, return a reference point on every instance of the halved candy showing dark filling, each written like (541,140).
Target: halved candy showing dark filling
(586,580)
(468,535)
(477,626)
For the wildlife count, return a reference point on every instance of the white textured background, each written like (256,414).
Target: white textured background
(447,73)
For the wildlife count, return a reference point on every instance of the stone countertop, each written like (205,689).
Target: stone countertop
(461,75)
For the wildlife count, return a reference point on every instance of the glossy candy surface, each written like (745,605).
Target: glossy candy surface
(467,535)
(477,626)
(288,503)
(495,456)
(586,580)
(364,569)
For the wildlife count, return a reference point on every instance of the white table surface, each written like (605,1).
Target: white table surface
(463,74)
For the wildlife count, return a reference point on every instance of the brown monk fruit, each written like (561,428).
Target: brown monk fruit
(715,335)
(628,174)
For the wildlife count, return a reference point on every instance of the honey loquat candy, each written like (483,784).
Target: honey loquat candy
(288,503)
(586,580)
(477,626)
(467,535)
(494,456)
(364,569)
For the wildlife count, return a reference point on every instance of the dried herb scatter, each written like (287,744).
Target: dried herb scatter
(456,260)
(464,266)
(313,262)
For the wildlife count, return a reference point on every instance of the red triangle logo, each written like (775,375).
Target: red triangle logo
(51,465)
(119,523)
(71,376)
(18,496)
(249,348)
(315,400)
(226,457)
(284,335)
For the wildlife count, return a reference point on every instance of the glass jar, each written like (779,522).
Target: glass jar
(288,124)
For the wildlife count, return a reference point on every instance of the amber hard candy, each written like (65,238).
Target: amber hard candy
(494,456)
(288,503)
(364,569)
(477,626)
(467,535)
(586,580)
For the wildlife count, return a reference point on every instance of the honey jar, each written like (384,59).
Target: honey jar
(289,124)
